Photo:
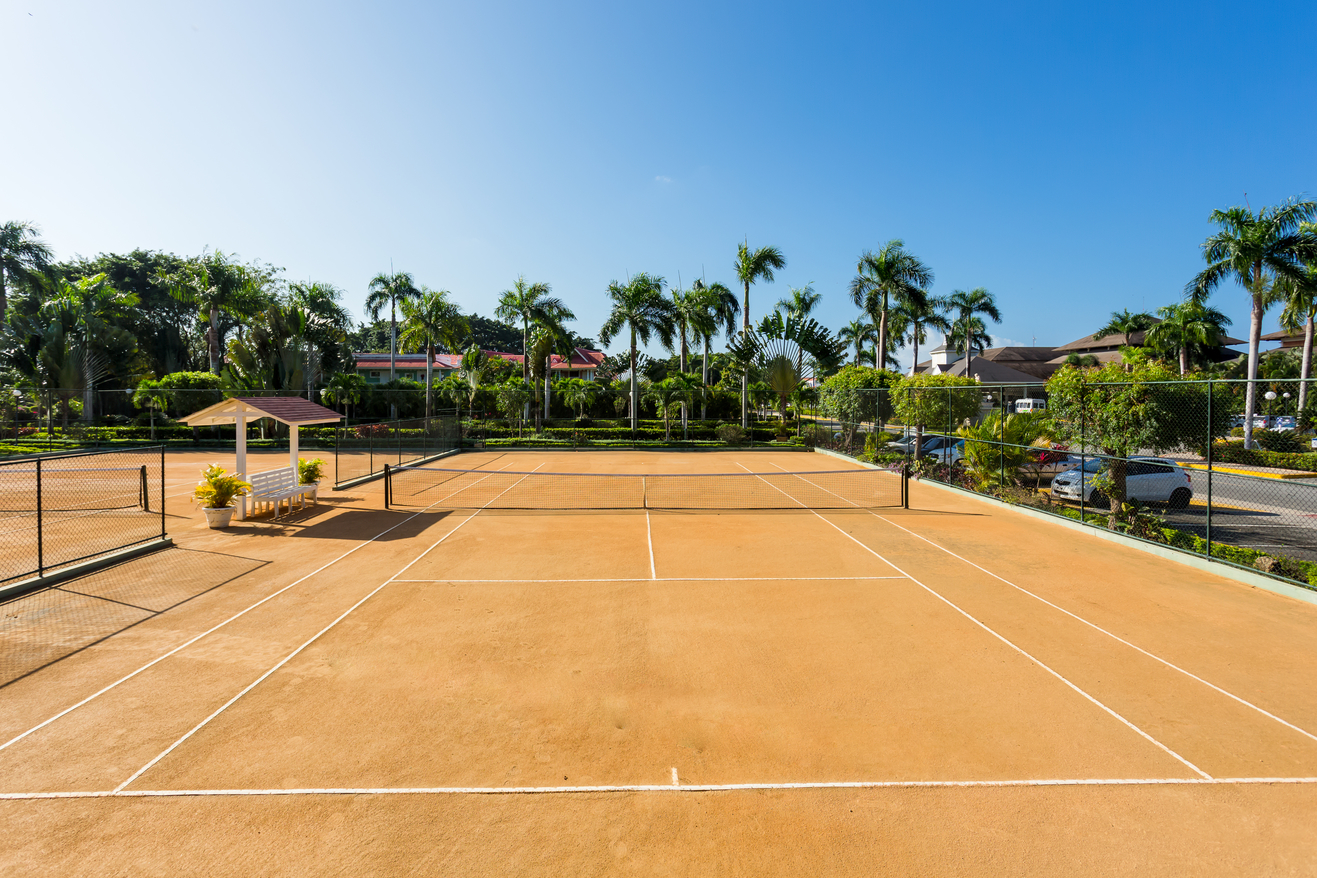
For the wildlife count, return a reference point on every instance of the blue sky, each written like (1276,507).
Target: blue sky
(1065,156)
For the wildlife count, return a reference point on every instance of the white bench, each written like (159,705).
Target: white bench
(272,488)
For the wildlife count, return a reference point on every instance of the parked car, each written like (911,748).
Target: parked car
(945,449)
(1147,479)
(1284,423)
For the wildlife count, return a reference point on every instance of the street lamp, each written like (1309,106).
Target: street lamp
(1269,396)
(1283,405)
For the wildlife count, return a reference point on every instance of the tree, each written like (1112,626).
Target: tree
(998,448)
(890,276)
(328,325)
(90,310)
(432,320)
(669,396)
(800,303)
(191,391)
(967,307)
(150,395)
(1300,309)
(786,353)
(919,316)
(512,397)
(752,266)
(578,393)
(723,309)
(971,334)
(639,307)
(1254,250)
(693,315)
(474,369)
(271,354)
(857,395)
(941,402)
(1187,329)
(547,339)
(1145,410)
(345,389)
(390,289)
(527,304)
(857,333)
(219,285)
(1124,323)
(23,255)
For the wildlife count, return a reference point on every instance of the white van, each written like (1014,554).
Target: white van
(1030,405)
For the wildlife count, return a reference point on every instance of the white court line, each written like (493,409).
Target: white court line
(1115,637)
(211,630)
(667,579)
(199,726)
(649,535)
(1006,641)
(672,788)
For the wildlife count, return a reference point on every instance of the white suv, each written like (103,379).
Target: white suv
(1147,479)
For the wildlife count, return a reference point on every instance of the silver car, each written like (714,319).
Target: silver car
(1147,479)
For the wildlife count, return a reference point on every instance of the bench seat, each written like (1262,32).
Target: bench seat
(273,488)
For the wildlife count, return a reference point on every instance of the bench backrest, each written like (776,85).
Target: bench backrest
(274,480)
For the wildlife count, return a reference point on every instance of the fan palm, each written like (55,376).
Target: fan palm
(22,255)
(857,333)
(724,309)
(1255,249)
(752,266)
(639,307)
(891,276)
(390,289)
(430,321)
(1187,328)
(969,307)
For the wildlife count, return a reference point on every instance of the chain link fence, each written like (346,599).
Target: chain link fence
(57,510)
(361,451)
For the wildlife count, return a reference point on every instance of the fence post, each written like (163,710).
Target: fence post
(1083,447)
(1001,445)
(162,492)
(1210,441)
(388,485)
(41,565)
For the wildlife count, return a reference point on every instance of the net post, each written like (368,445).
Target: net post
(162,492)
(388,484)
(41,565)
(905,486)
(144,498)
(1210,441)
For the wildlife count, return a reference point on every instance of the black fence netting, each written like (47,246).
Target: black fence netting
(363,450)
(1177,463)
(58,510)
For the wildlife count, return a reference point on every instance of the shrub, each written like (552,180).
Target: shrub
(1284,441)
(732,434)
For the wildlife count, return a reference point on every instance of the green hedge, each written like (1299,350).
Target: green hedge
(1235,452)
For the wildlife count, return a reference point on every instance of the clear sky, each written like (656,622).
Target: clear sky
(1064,155)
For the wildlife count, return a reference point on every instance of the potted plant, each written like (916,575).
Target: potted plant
(309,472)
(216,492)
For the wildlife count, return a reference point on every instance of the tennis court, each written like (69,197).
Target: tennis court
(686,663)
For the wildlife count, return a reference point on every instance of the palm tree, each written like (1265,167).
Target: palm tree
(800,303)
(431,321)
(724,309)
(856,333)
(1185,328)
(968,306)
(91,310)
(1254,250)
(578,393)
(692,313)
(472,371)
(218,286)
(528,303)
(919,316)
(390,289)
(751,266)
(1124,323)
(673,392)
(890,276)
(971,334)
(1300,308)
(22,255)
(640,307)
(345,389)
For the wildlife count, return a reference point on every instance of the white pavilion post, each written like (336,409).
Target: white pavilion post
(292,447)
(240,427)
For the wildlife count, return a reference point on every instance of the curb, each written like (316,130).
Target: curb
(1243,472)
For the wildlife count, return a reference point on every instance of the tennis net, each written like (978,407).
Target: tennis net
(428,487)
(55,489)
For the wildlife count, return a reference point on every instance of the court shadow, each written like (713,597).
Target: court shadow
(42,628)
(345,524)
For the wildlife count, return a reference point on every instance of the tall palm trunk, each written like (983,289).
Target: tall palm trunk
(212,340)
(745,376)
(704,374)
(635,383)
(683,372)
(882,335)
(1184,357)
(548,370)
(914,358)
(1254,344)
(393,354)
(1305,368)
(4,298)
(525,364)
(429,377)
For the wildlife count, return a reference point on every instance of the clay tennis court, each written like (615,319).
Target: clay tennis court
(514,686)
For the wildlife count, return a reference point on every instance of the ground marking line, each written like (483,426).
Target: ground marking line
(1113,636)
(1092,625)
(649,535)
(669,579)
(211,630)
(1013,646)
(199,726)
(670,788)
(675,782)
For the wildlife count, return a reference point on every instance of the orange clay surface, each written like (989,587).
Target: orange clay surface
(950,689)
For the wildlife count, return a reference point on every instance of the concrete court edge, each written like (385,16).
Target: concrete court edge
(1226,571)
(82,568)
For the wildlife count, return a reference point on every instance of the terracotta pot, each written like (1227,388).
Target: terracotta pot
(218,517)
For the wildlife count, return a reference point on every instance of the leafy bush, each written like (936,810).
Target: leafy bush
(1284,441)
(732,434)
(1235,452)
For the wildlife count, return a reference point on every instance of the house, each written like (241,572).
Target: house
(1286,339)
(375,367)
